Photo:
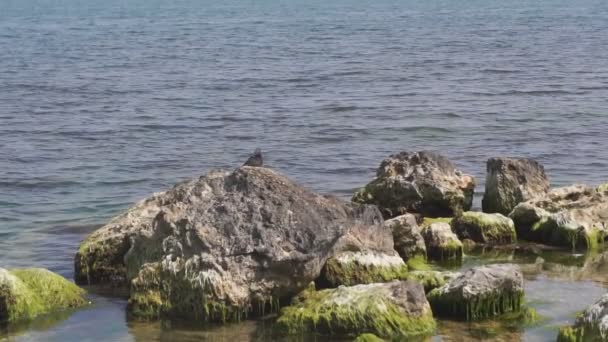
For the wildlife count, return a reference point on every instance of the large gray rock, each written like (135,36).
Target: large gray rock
(510,181)
(441,242)
(217,247)
(418,182)
(480,292)
(590,325)
(409,243)
(575,216)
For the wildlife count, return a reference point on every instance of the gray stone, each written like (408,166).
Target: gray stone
(418,182)
(406,236)
(226,244)
(510,181)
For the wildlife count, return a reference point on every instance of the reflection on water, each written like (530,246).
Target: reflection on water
(554,278)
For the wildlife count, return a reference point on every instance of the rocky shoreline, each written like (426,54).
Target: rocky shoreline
(242,244)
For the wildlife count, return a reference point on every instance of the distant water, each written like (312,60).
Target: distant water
(105,102)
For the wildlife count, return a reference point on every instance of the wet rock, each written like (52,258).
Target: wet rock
(590,325)
(368,338)
(397,310)
(493,229)
(479,293)
(226,245)
(441,242)
(28,293)
(352,268)
(510,181)
(575,216)
(408,241)
(431,279)
(418,182)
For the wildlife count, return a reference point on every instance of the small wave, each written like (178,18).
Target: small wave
(338,109)
(430,129)
(42,184)
(499,71)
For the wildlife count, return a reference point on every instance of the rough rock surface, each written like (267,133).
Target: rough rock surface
(479,293)
(226,244)
(590,325)
(431,280)
(493,229)
(574,216)
(409,243)
(510,181)
(418,182)
(27,293)
(397,310)
(352,268)
(441,242)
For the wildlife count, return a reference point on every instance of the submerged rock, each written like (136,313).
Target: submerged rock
(408,241)
(575,216)
(226,245)
(479,293)
(441,242)
(397,310)
(418,182)
(352,268)
(590,325)
(510,181)
(27,293)
(493,229)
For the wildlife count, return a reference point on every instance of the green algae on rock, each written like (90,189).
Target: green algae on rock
(352,268)
(427,221)
(431,279)
(368,338)
(418,182)
(590,325)
(395,310)
(494,229)
(30,292)
(479,293)
(574,216)
(441,243)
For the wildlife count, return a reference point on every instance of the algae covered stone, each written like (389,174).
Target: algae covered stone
(493,229)
(395,310)
(352,268)
(368,338)
(227,245)
(432,279)
(407,237)
(510,181)
(418,182)
(441,242)
(30,292)
(590,325)
(479,293)
(575,216)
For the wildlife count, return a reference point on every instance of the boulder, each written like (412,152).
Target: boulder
(479,293)
(352,268)
(28,293)
(510,181)
(397,310)
(590,325)
(574,216)
(418,182)
(492,229)
(441,242)
(226,245)
(407,239)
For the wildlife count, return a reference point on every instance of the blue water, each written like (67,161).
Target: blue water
(104,102)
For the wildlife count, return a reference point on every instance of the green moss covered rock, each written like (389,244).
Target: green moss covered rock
(493,229)
(368,338)
(352,268)
(590,325)
(27,293)
(396,310)
(573,217)
(431,279)
(441,243)
(418,182)
(479,293)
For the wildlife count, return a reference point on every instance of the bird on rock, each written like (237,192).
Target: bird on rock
(255,159)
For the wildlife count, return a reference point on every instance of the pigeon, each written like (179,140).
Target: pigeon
(255,159)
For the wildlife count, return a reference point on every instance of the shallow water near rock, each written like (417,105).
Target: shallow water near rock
(103,103)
